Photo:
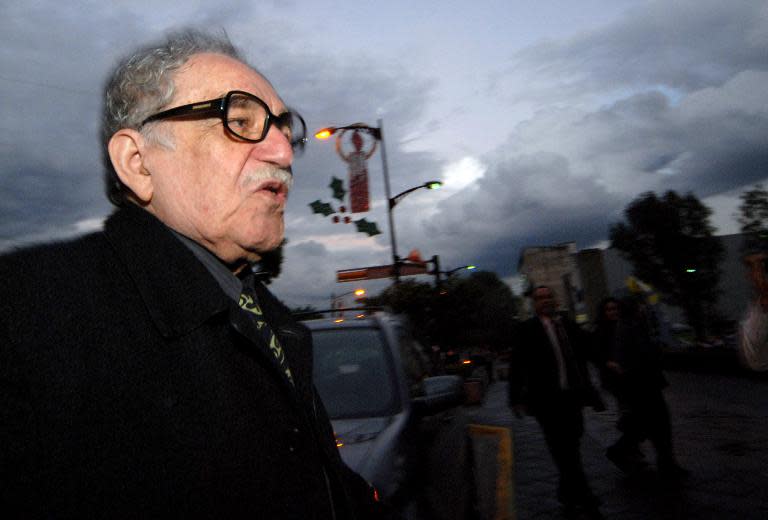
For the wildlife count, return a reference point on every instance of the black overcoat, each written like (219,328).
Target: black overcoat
(129,388)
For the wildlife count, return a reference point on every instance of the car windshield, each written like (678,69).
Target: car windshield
(352,373)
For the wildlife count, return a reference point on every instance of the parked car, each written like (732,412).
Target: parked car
(476,368)
(458,363)
(396,425)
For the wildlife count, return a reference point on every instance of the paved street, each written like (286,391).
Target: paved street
(721,432)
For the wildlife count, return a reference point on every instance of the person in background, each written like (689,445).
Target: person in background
(625,452)
(753,330)
(636,360)
(549,380)
(145,372)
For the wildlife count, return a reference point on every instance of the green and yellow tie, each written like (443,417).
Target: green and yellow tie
(249,303)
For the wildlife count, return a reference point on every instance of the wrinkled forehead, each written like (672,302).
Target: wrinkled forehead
(208,76)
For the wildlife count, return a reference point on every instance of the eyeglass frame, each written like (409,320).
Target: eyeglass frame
(218,108)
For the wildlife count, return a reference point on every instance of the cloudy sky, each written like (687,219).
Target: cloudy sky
(544,118)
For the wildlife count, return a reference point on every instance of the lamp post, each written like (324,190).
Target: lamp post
(437,272)
(391,203)
(467,267)
(378,134)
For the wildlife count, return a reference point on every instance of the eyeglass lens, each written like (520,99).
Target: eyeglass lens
(247,117)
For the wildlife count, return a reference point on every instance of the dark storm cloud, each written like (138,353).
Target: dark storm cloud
(672,97)
(42,199)
(685,45)
(609,157)
(52,71)
(522,201)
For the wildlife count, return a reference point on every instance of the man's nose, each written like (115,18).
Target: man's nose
(275,149)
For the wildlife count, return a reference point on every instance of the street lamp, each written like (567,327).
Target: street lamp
(430,185)
(378,134)
(435,260)
(467,267)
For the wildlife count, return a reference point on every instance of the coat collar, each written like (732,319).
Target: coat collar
(178,291)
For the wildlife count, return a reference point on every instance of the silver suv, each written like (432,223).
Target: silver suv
(399,428)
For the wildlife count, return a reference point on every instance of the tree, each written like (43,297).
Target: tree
(478,310)
(670,243)
(412,298)
(472,311)
(754,217)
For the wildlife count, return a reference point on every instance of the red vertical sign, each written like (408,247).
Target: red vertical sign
(359,200)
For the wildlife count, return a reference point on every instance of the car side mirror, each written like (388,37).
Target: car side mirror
(440,393)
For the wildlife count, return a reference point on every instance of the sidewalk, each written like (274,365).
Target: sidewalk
(720,427)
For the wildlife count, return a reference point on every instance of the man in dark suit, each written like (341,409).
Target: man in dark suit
(144,371)
(548,379)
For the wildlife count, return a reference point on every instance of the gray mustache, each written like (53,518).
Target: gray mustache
(267,173)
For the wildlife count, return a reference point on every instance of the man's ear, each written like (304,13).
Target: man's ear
(127,148)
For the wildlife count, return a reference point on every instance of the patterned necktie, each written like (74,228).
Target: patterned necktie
(249,303)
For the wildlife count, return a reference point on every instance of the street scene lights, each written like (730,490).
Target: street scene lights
(467,267)
(435,260)
(378,134)
(325,133)
(430,185)
(337,300)
(359,293)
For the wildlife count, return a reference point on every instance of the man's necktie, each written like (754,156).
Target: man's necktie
(249,303)
(571,369)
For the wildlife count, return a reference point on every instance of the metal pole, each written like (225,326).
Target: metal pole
(436,262)
(385,170)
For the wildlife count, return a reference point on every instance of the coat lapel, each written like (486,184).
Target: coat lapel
(178,291)
(180,294)
(246,328)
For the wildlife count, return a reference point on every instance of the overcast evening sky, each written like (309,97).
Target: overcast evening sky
(543,118)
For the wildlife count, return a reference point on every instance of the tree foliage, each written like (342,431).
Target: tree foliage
(478,310)
(754,217)
(667,237)
(407,297)
(412,298)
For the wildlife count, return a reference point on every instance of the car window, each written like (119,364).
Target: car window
(352,372)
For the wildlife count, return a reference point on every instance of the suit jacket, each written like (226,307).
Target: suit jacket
(131,386)
(533,374)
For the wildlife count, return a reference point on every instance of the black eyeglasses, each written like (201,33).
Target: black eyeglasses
(245,116)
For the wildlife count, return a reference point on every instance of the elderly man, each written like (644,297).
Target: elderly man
(548,378)
(144,372)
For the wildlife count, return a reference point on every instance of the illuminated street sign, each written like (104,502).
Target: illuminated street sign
(379,271)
